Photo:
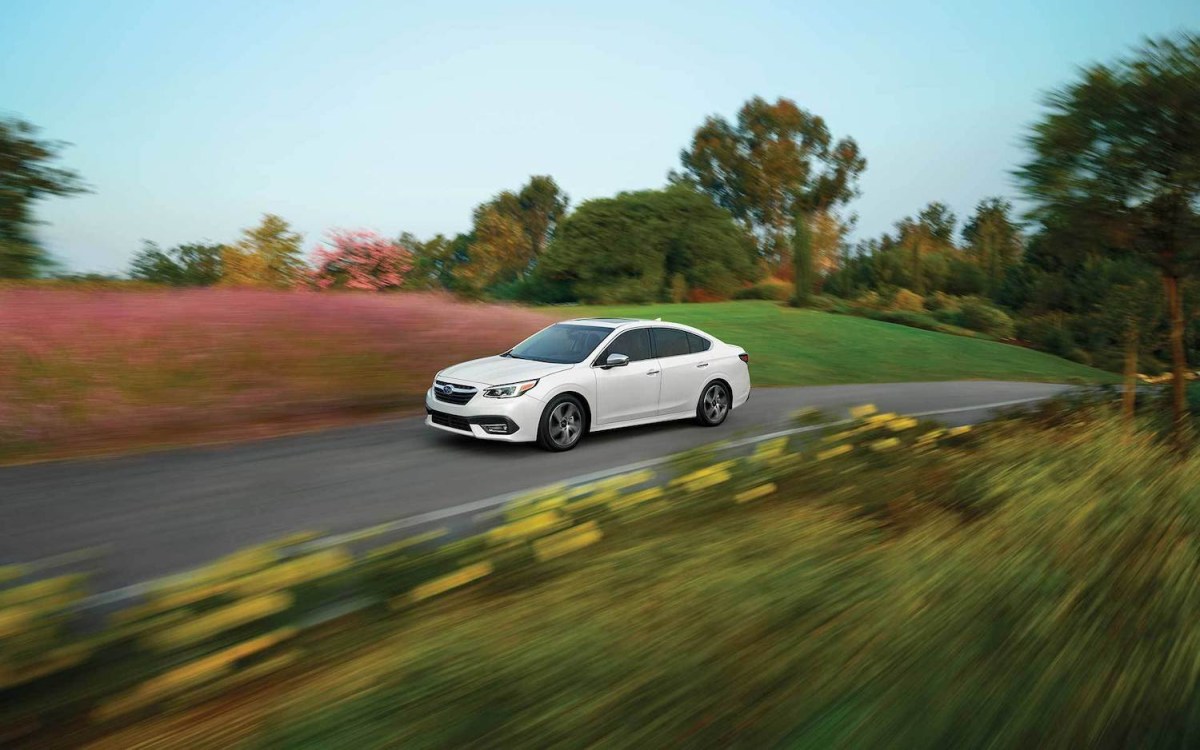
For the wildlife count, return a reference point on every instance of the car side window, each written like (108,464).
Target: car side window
(634,344)
(670,342)
(698,343)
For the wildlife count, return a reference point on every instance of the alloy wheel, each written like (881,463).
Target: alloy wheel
(566,423)
(715,403)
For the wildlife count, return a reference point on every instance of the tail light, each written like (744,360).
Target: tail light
(744,357)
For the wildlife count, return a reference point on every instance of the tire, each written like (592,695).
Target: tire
(562,424)
(713,405)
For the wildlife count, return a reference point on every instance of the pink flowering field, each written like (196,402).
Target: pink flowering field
(85,371)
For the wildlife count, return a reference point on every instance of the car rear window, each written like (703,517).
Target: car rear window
(698,343)
(670,342)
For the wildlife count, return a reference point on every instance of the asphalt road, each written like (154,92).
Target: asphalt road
(158,513)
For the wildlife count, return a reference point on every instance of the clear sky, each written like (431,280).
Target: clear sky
(190,119)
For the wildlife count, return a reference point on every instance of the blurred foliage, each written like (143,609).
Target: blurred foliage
(268,255)
(769,289)
(190,264)
(28,174)
(361,260)
(1115,169)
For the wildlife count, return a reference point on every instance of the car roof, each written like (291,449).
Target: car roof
(608,322)
(623,322)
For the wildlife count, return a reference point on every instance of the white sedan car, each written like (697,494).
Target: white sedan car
(590,374)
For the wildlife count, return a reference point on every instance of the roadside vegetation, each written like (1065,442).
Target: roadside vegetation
(1033,577)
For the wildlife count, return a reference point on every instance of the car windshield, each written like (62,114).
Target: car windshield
(561,343)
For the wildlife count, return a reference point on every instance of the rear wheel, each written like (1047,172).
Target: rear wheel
(561,425)
(713,406)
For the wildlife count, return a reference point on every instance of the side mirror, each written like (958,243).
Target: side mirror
(616,360)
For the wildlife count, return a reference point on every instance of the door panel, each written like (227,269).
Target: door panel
(683,373)
(631,391)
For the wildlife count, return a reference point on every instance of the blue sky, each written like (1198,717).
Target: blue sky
(190,119)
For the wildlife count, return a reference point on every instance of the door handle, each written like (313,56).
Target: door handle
(705,364)
(652,372)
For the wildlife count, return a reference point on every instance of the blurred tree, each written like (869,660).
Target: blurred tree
(817,239)
(537,207)
(267,255)
(362,260)
(631,248)
(27,175)
(434,261)
(1119,152)
(926,241)
(191,264)
(993,241)
(499,250)
(776,162)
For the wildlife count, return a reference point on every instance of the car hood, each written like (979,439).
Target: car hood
(499,370)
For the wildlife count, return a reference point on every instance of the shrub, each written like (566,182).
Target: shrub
(1045,333)
(907,301)
(869,298)
(360,259)
(770,289)
(980,316)
(941,301)
(679,288)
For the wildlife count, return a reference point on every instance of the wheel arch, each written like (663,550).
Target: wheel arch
(587,405)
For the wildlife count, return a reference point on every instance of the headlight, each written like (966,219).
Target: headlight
(512,390)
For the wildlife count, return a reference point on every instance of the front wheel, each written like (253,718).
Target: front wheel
(713,406)
(561,425)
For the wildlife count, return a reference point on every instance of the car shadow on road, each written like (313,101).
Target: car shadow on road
(484,448)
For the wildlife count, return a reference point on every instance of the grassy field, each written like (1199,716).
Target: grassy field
(1026,580)
(806,347)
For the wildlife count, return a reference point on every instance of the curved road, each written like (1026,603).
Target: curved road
(153,514)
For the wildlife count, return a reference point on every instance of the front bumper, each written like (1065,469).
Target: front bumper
(513,420)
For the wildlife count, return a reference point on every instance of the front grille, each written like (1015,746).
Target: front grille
(450,420)
(459,395)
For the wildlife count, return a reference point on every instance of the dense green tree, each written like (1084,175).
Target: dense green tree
(776,162)
(1119,152)
(434,261)
(190,264)
(28,174)
(629,248)
(992,239)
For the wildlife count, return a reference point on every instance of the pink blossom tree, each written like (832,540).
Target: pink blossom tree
(360,259)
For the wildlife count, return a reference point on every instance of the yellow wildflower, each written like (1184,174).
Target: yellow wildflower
(840,450)
(860,412)
(754,493)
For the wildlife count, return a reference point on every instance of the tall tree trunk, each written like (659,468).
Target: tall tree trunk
(1179,413)
(802,260)
(1129,400)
